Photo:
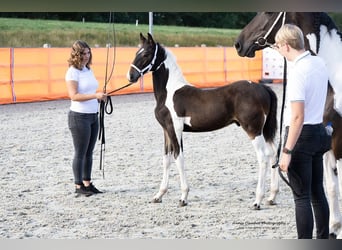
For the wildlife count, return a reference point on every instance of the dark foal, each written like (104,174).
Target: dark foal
(183,107)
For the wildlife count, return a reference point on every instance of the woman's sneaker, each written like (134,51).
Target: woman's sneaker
(93,189)
(82,190)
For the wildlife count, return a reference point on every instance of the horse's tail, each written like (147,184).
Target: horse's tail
(270,127)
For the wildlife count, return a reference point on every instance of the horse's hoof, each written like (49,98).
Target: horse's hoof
(271,202)
(156,200)
(256,206)
(182,203)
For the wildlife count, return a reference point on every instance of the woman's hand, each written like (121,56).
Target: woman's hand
(101,96)
(285,162)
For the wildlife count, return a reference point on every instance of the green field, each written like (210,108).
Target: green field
(35,33)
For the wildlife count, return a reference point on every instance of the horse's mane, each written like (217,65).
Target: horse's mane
(171,63)
(323,18)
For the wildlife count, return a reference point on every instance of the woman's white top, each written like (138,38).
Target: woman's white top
(86,84)
(308,83)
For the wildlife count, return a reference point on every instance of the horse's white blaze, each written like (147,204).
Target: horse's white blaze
(140,51)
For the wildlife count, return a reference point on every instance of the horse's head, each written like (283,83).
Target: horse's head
(144,58)
(259,33)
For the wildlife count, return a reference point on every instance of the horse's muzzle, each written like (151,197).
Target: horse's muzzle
(132,75)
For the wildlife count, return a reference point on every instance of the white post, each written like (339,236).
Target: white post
(150,19)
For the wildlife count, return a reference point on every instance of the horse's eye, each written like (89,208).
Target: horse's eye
(146,54)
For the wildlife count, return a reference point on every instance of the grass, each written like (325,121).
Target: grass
(34,33)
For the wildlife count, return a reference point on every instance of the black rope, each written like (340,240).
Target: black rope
(281,114)
(125,86)
(106,106)
(295,177)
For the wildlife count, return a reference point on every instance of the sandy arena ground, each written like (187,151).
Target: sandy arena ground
(37,189)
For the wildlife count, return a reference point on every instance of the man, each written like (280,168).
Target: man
(302,153)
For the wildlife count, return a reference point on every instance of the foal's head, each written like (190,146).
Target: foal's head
(145,58)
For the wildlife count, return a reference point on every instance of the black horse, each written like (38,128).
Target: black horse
(322,38)
(183,107)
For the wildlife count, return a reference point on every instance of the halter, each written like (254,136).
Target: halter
(262,41)
(149,66)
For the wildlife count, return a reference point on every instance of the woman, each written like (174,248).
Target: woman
(83,115)
(303,117)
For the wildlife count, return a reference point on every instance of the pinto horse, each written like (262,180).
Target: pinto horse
(322,38)
(183,107)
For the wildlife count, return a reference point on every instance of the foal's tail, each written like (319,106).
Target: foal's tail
(270,127)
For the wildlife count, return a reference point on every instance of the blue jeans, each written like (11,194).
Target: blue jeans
(306,178)
(84,130)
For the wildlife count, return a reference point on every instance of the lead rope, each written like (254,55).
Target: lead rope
(106,106)
(281,114)
(293,174)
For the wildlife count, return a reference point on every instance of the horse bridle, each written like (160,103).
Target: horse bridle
(262,41)
(149,66)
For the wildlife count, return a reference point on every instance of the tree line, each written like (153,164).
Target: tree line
(231,20)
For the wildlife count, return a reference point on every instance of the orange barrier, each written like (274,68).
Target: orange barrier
(37,74)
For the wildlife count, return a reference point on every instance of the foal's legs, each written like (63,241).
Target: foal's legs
(165,181)
(184,184)
(179,125)
(264,153)
(331,180)
(274,174)
(166,169)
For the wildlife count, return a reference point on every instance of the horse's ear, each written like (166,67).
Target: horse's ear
(150,38)
(142,38)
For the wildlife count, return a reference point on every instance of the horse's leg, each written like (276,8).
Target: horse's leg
(274,175)
(332,192)
(183,182)
(166,169)
(339,174)
(165,181)
(179,159)
(260,148)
